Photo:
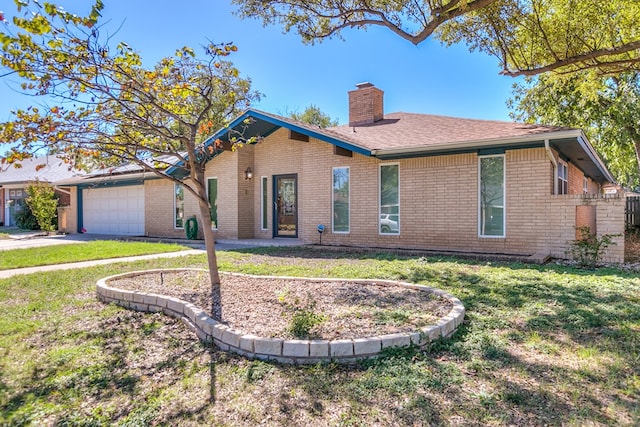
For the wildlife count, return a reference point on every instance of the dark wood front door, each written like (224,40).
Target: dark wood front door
(285,205)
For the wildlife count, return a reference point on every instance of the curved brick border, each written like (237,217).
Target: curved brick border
(282,350)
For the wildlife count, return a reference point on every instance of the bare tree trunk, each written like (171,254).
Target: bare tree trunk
(205,219)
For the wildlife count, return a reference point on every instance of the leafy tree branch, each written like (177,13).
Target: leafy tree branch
(528,37)
(104,108)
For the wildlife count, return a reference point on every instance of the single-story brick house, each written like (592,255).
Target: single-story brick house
(399,180)
(13,182)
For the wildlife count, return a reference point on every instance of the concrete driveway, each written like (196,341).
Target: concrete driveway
(23,241)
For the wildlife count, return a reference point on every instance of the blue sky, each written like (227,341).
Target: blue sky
(428,78)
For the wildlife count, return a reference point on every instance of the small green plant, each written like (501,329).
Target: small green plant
(395,317)
(588,249)
(303,321)
(282,296)
(303,316)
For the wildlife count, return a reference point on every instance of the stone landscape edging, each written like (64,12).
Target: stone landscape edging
(289,351)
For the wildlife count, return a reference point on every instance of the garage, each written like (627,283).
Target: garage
(115,210)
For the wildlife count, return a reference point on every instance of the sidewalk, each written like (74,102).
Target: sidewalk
(28,270)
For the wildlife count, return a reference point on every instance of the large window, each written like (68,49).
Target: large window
(491,193)
(264,203)
(341,200)
(389,222)
(563,178)
(212,191)
(179,205)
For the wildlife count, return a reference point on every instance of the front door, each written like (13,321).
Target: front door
(285,205)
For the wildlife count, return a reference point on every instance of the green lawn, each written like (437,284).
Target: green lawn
(541,345)
(75,252)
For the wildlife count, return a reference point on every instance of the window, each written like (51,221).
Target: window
(563,178)
(341,200)
(179,205)
(212,191)
(264,205)
(491,192)
(585,185)
(389,219)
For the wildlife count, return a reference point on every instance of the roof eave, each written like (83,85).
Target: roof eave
(588,148)
(106,178)
(259,115)
(313,134)
(475,144)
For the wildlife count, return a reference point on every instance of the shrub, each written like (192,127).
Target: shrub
(588,249)
(25,218)
(43,203)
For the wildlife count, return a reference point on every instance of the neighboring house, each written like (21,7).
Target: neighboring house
(13,182)
(400,180)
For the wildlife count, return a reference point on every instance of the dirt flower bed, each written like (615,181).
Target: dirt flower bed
(277,307)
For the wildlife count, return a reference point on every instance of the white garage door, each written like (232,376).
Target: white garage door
(114,210)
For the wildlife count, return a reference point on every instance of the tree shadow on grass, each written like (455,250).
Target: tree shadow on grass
(566,309)
(563,317)
(131,358)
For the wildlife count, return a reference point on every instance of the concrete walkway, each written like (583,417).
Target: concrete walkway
(84,264)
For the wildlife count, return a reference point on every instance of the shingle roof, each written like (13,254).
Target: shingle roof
(407,130)
(54,170)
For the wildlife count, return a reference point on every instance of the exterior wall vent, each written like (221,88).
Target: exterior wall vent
(339,151)
(297,136)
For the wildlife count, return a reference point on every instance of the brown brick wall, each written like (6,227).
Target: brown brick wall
(365,105)
(586,217)
(438,200)
(246,193)
(279,155)
(561,226)
(230,176)
(159,209)
(576,180)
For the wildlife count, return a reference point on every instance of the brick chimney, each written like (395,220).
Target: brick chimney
(365,104)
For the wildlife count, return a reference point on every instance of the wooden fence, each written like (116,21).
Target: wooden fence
(632,212)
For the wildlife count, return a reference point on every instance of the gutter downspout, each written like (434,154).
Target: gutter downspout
(555,165)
